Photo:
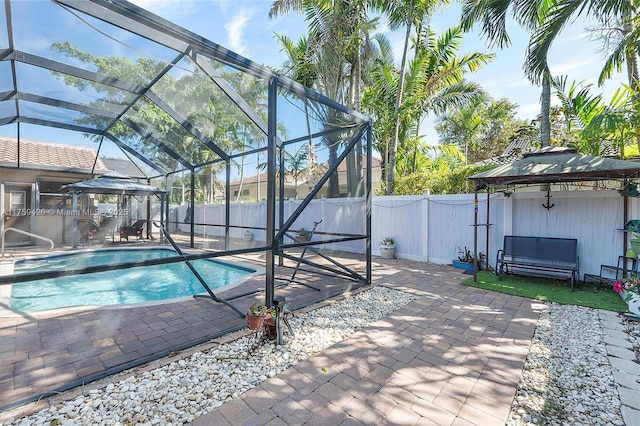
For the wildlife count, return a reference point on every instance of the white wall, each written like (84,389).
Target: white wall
(430,228)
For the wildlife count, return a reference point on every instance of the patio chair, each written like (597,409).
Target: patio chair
(134,230)
(627,266)
(88,230)
(108,226)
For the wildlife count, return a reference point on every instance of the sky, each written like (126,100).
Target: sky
(244,27)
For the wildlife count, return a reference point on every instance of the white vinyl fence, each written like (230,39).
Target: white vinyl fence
(431,228)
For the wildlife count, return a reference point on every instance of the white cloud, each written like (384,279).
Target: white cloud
(521,82)
(577,65)
(529,111)
(224,6)
(236,29)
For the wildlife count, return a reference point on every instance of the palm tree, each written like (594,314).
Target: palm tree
(335,56)
(468,122)
(529,14)
(434,82)
(619,20)
(296,165)
(558,13)
(594,120)
(407,14)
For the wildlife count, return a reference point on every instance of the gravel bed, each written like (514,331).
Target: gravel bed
(567,379)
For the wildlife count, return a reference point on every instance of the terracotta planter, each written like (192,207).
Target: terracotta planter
(254,322)
(270,327)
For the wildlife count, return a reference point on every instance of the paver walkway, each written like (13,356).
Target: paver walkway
(454,356)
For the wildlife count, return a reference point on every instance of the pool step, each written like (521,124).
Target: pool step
(7,266)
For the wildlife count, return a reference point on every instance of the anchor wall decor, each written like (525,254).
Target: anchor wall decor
(548,205)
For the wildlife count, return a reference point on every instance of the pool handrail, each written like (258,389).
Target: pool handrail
(29,234)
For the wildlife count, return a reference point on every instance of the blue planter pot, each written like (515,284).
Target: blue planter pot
(462,265)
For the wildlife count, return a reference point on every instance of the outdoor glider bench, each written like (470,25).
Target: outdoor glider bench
(539,256)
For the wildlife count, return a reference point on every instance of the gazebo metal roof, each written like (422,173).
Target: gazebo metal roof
(106,185)
(557,165)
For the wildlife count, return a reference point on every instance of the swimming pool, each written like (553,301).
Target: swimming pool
(120,287)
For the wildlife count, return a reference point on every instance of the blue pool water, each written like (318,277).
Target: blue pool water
(124,286)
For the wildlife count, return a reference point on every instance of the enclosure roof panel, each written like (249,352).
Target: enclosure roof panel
(160,93)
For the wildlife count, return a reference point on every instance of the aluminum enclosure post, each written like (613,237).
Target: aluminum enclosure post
(272,243)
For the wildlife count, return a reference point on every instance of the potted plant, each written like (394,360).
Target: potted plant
(247,235)
(255,316)
(629,290)
(388,248)
(270,323)
(465,259)
(634,241)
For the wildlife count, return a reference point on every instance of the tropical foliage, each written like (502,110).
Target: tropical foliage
(593,121)
(341,44)
(441,179)
(345,57)
(482,129)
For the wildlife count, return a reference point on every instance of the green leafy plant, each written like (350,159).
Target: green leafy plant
(388,241)
(258,310)
(630,285)
(465,255)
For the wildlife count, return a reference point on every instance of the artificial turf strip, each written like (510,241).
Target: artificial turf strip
(550,290)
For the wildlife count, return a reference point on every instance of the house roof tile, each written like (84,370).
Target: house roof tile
(49,156)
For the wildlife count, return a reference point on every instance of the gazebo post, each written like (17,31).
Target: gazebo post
(625,218)
(148,208)
(74,220)
(486,248)
(475,235)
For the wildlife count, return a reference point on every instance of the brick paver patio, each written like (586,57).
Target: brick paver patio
(453,356)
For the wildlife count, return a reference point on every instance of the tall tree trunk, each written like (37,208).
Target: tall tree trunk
(633,77)
(393,149)
(545,107)
(352,176)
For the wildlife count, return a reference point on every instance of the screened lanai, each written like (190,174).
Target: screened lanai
(237,147)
